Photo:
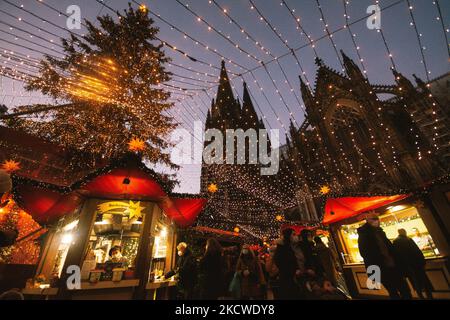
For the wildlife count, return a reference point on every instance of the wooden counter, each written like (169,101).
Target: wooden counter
(436,269)
(160,290)
(109,284)
(106,290)
(160,284)
(44,293)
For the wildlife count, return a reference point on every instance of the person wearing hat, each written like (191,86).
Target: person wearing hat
(377,250)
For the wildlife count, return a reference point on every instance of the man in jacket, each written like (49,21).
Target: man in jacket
(377,250)
(412,262)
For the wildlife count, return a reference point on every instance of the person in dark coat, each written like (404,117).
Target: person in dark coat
(185,271)
(288,264)
(412,262)
(327,260)
(376,249)
(312,261)
(212,272)
(251,274)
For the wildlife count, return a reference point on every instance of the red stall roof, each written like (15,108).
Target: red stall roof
(126,179)
(298,228)
(337,209)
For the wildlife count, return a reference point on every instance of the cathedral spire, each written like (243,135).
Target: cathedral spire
(307,95)
(208,123)
(351,68)
(421,84)
(226,109)
(403,83)
(224,91)
(248,110)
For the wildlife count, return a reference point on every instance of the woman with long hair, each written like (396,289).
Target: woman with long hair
(211,271)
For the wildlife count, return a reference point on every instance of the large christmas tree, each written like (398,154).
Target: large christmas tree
(109,82)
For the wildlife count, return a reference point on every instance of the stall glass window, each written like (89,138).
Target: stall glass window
(396,217)
(159,254)
(64,239)
(114,240)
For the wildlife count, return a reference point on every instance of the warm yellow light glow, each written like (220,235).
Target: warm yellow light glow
(67,238)
(71,225)
(396,208)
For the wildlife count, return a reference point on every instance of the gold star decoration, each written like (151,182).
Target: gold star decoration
(212,187)
(324,190)
(236,229)
(279,217)
(136,144)
(134,209)
(11,165)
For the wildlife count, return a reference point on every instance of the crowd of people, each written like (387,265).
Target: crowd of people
(299,267)
(292,267)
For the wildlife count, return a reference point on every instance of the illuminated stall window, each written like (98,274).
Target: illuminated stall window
(395,217)
(159,255)
(114,241)
(55,253)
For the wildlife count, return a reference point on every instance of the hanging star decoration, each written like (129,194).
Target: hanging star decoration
(324,190)
(134,210)
(212,188)
(11,166)
(136,145)
(236,229)
(279,217)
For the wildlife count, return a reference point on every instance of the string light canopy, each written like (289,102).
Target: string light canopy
(188,97)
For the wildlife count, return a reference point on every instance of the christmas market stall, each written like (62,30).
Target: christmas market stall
(344,215)
(116,227)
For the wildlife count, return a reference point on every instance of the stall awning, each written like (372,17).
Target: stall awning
(47,202)
(337,209)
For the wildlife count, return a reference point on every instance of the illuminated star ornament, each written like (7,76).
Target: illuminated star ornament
(236,229)
(279,217)
(213,188)
(11,166)
(134,209)
(324,190)
(136,145)
(143,8)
